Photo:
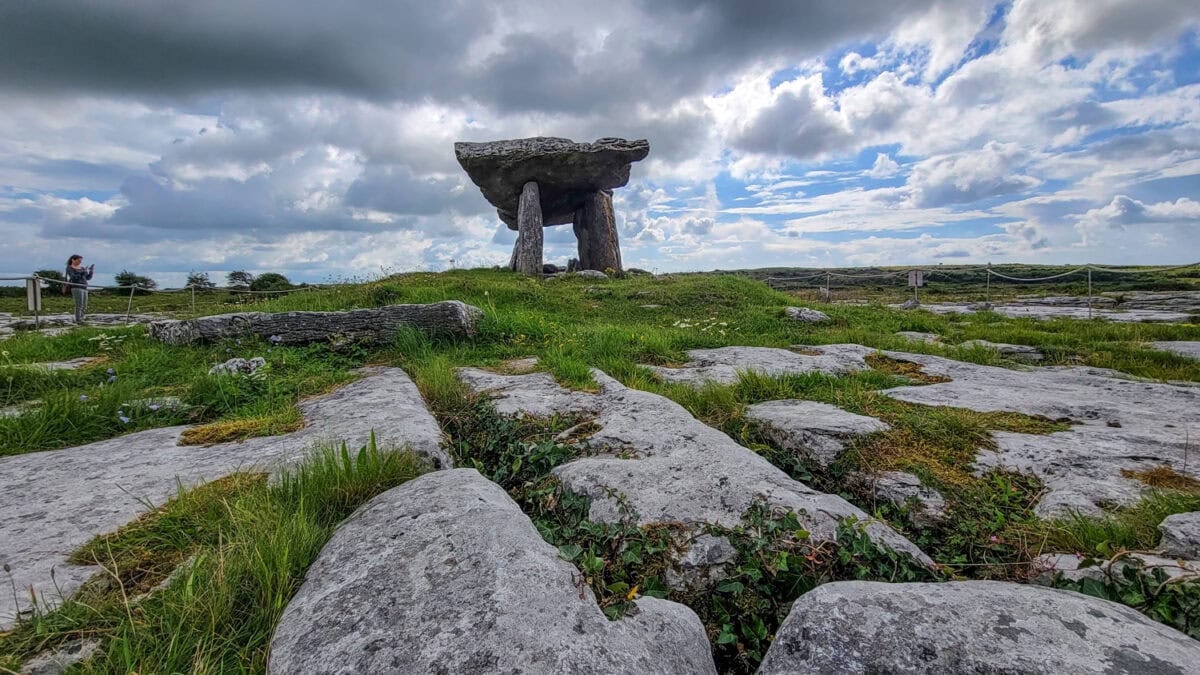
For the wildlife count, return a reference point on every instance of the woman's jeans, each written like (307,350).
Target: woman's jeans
(80,297)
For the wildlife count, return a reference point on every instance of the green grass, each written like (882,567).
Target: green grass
(1133,528)
(81,406)
(239,547)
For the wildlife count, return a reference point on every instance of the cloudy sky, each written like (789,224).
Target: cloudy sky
(316,138)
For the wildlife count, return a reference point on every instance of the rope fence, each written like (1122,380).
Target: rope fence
(192,290)
(1086,269)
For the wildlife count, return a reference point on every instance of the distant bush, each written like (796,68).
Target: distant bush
(199,281)
(49,274)
(144,284)
(270,281)
(239,279)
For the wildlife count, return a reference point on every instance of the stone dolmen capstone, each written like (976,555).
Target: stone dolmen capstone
(376,324)
(543,181)
(971,627)
(445,574)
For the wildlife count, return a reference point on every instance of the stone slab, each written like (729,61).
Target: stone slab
(723,365)
(445,574)
(1184,348)
(971,627)
(817,432)
(566,172)
(658,460)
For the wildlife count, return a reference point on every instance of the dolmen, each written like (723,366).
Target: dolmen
(543,181)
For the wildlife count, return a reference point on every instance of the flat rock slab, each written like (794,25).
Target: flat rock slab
(724,364)
(69,364)
(667,465)
(817,432)
(1181,535)
(1122,424)
(971,627)
(374,325)
(57,500)
(1187,349)
(565,171)
(445,574)
(1047,312)
(67,320)
(916,336)
(1024,353)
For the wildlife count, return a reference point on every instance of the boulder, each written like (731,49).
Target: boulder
(566,172)
(1181,535)
(816,432)
(970,627)
(374,325)
(805,315)
(445,574)
(911,303)
(592,274)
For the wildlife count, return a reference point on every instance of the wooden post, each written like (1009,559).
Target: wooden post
(527,253)
(596,230)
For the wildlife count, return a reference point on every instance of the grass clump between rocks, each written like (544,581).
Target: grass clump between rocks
(232,553)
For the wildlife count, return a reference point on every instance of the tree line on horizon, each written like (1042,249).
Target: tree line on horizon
(237,280)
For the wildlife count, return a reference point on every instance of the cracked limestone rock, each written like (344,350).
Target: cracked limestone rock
(722,365)
(1119,424)
(445,574)
(817,432)
(1181,535)
(667,466)
(1015,352)
(703,565)
(971,627)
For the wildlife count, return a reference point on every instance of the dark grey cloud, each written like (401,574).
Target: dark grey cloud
(654,51)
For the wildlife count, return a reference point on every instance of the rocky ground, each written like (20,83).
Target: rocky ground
(449,573)
(1154,307)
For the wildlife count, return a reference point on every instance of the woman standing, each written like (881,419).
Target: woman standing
(77,278)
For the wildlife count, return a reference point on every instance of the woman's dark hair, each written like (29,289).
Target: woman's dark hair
(72,259)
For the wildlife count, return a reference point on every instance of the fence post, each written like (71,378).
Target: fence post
(1089,292)
(828,293)
(129,309)
(988,293)
(193,299)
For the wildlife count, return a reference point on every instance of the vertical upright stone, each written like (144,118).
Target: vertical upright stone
(596,229)
(527,253)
